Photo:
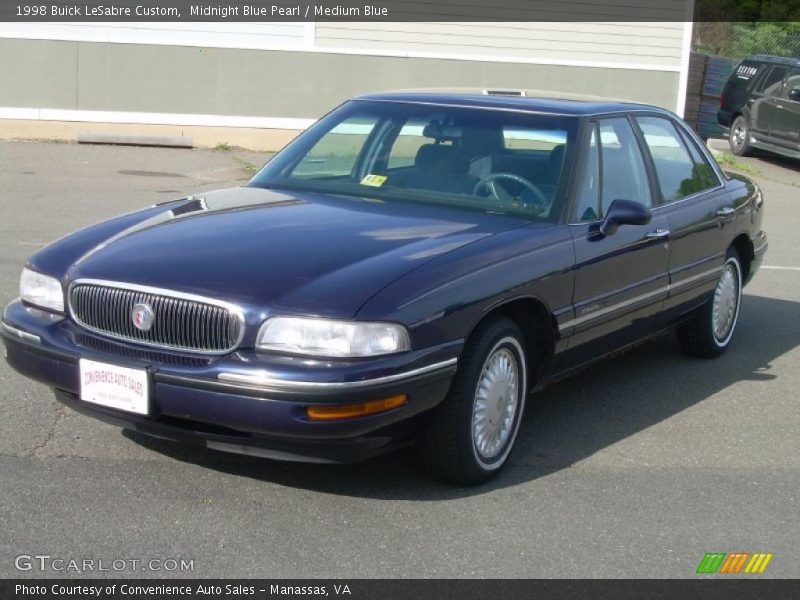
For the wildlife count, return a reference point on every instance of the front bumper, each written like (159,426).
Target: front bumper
(247,402)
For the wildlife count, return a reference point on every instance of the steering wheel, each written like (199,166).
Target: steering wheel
(499,193)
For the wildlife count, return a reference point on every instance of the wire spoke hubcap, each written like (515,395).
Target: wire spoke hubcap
(726,298)
(496,403)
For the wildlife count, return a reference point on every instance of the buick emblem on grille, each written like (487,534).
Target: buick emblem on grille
(142,316)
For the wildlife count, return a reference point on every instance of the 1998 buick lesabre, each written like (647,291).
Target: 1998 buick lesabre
(410,268)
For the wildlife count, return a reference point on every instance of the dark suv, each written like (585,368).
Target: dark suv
(761,105)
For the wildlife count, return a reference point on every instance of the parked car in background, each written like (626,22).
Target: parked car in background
(761,106)
(410,268)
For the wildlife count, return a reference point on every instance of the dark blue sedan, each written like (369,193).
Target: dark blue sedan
(409,269)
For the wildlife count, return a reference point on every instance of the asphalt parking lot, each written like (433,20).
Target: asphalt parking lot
(634,468)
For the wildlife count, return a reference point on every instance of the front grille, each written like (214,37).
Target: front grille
(180,322)
(92,341)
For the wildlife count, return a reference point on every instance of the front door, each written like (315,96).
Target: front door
(787,130)
(764,103)
(621,279)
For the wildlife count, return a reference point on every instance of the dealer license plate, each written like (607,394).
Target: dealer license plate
(113,386)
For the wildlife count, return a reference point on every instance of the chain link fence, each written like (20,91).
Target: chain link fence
(740,40)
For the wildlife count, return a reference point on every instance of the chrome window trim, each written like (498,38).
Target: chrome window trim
(234,309)
(260,380)
(687,132)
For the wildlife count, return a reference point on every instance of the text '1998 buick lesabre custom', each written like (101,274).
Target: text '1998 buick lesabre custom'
(409,269)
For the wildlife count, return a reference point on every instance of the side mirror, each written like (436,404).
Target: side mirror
(624,212)
(794,94)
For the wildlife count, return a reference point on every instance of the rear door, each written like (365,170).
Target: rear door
(690,196)
(620,279)
(787,126)
(764,103)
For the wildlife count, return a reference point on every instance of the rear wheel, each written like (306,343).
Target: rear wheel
(471,434)
(709,332)
(739,137)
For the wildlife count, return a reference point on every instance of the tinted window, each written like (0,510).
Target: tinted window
(746,71)
(623,173)
(792,82)
(677,172)
(771,85)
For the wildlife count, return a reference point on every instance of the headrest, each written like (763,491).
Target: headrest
(556,156)
(440,158)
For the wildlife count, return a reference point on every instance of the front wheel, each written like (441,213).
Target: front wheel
(709,332)
(739,137)
(472,432)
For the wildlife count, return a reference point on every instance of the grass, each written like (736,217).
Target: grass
(726,159)
(223,147)
(245,164)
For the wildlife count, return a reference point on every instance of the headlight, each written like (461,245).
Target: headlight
(329,337)
(41,290)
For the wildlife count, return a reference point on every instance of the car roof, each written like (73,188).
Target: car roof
(771,58)
(538,101)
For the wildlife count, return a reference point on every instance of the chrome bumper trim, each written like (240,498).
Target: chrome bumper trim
(263,380)
(23,335)
(662,290)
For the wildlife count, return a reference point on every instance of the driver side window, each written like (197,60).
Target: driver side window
(614,169)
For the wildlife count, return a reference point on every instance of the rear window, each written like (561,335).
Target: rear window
(519,138)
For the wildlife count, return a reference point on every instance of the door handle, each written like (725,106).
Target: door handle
(726,211)
(658,234)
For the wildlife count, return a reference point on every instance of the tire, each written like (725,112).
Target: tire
(470,435)
(739,137)
(704,335)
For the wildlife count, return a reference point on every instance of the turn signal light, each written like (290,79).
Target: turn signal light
(346,411)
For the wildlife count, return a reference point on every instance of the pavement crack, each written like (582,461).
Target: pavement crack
(39,449)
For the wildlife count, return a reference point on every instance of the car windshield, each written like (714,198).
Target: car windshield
(473,158)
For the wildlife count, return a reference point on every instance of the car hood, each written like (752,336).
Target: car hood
(281,252)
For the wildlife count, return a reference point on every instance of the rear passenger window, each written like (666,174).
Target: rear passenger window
(679,175)
(792,82)
(773,82)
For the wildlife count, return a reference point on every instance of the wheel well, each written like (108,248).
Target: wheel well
(538,327)
(744,247)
